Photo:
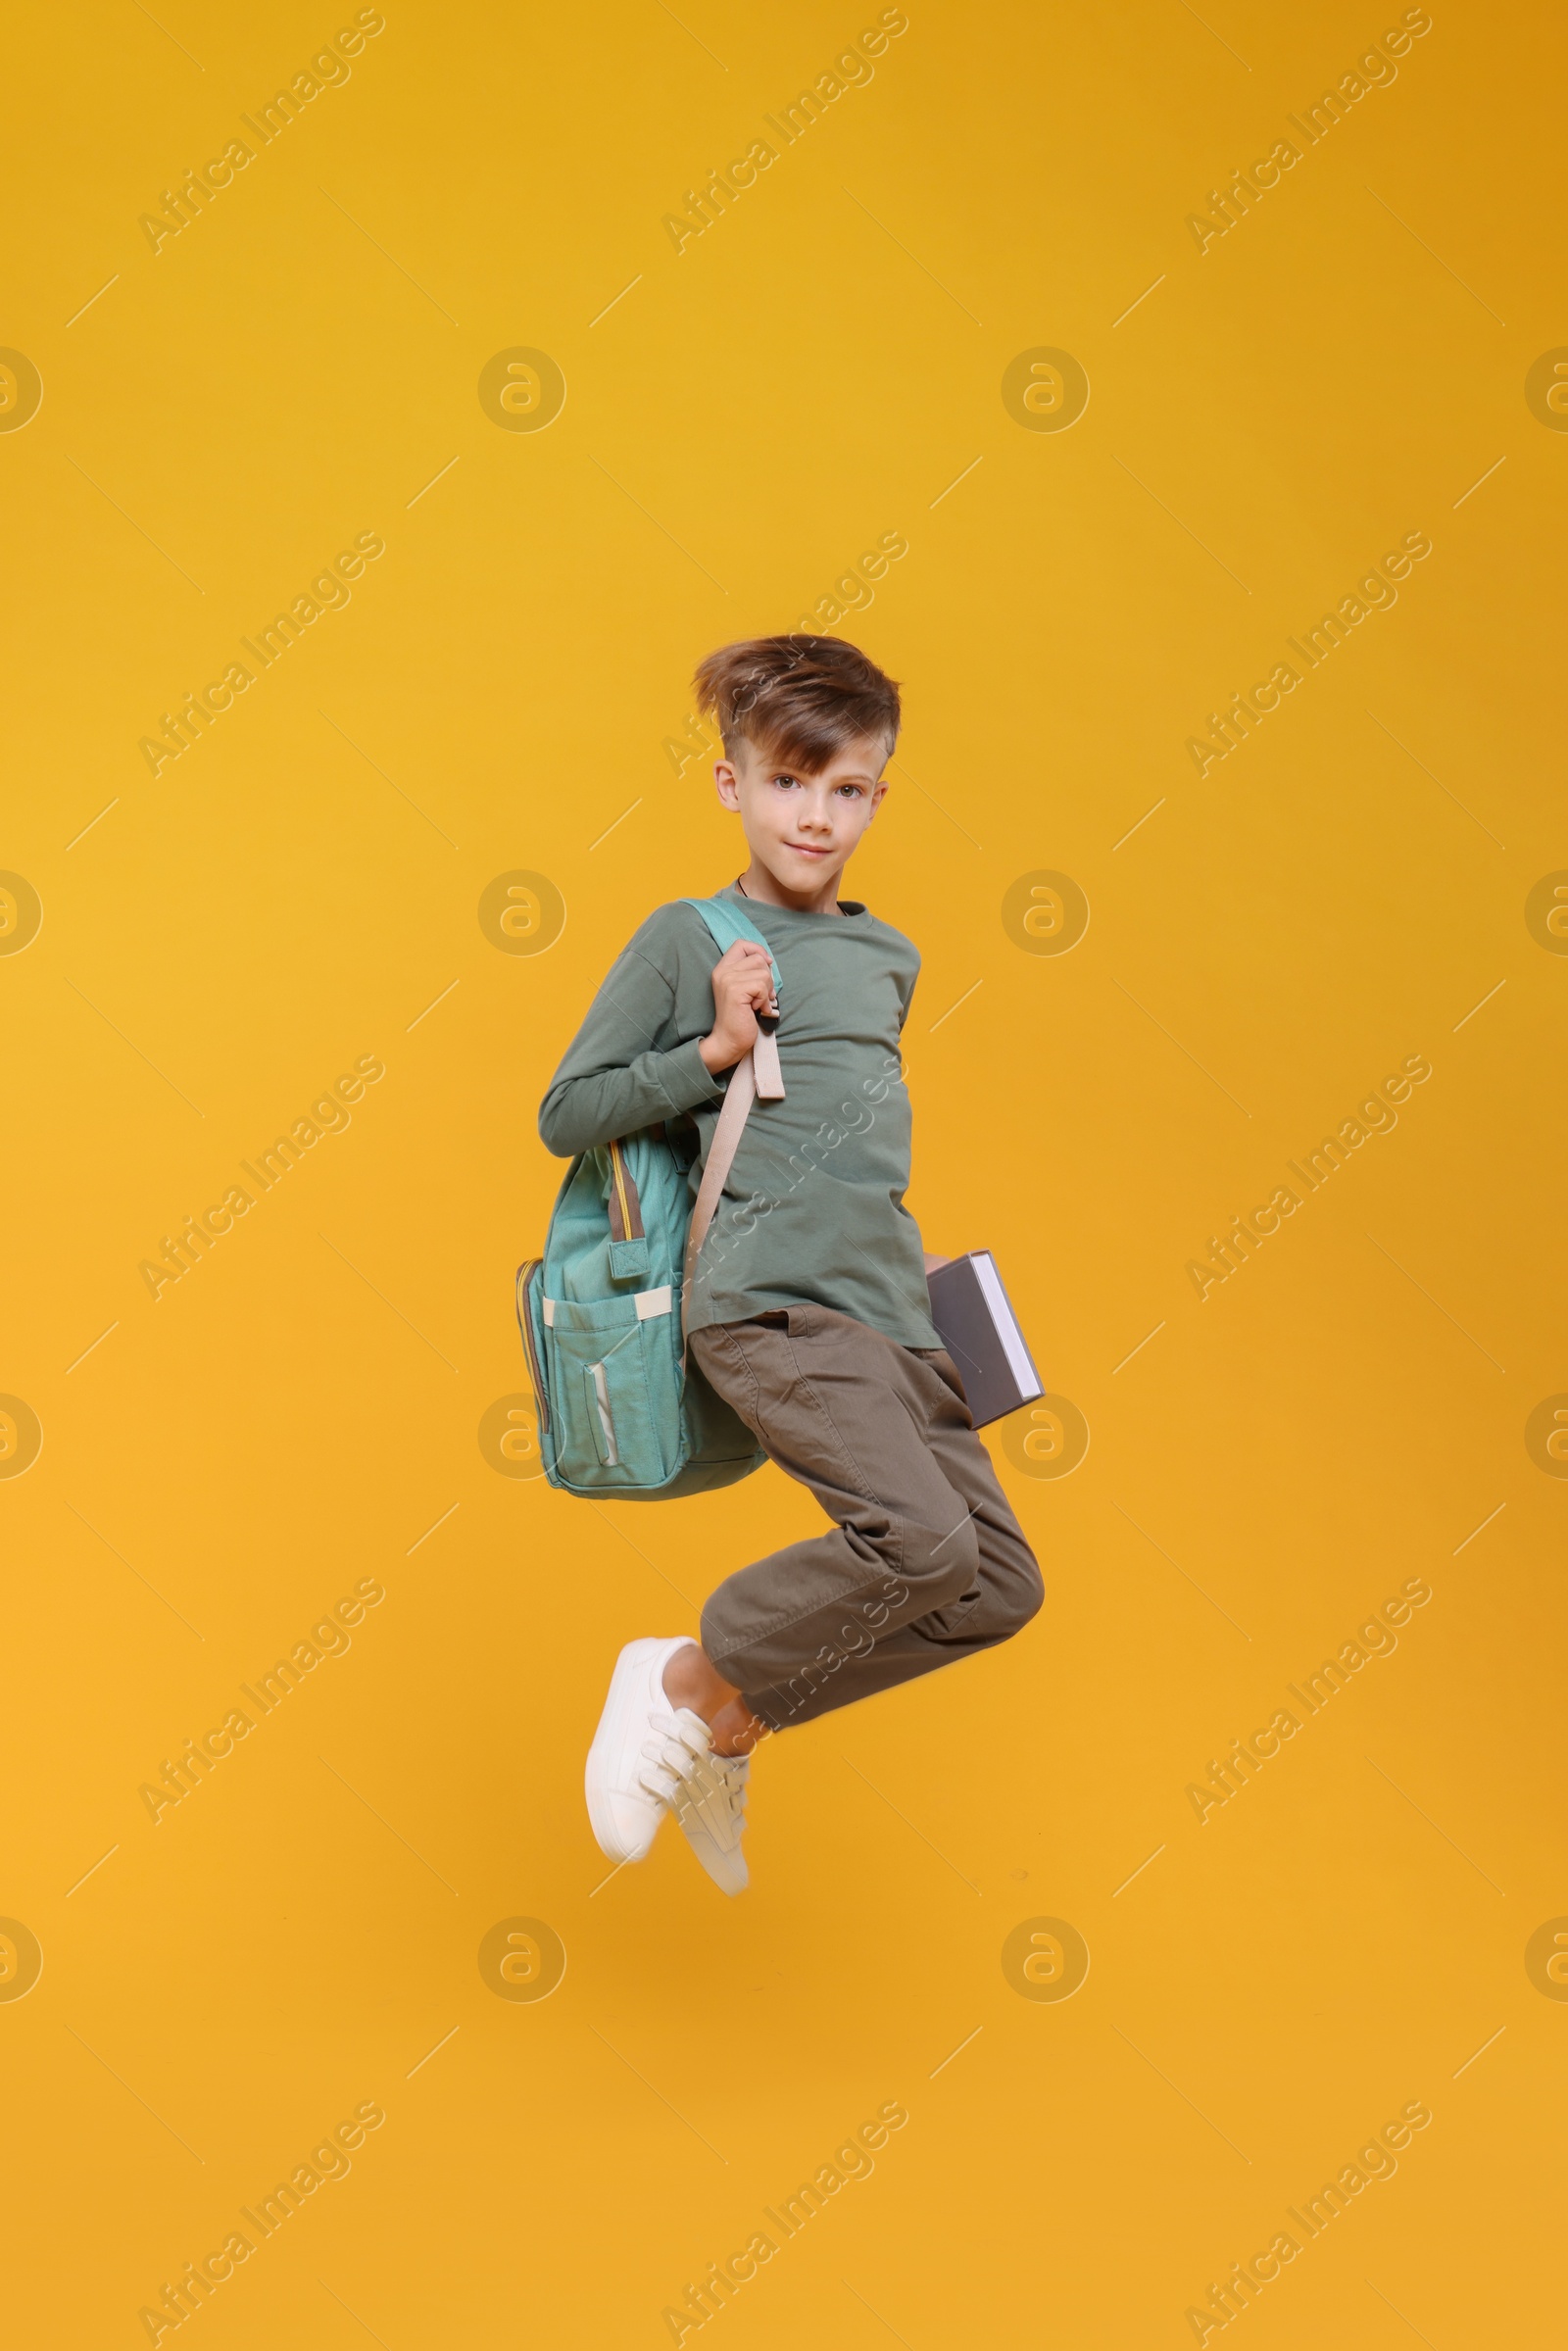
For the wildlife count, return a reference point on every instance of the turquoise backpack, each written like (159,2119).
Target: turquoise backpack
(620,1408)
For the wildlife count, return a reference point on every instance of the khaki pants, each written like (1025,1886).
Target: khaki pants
(926,1562)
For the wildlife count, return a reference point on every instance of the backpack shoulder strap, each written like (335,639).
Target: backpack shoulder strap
(738,1099)
(727,923)
(755,1074)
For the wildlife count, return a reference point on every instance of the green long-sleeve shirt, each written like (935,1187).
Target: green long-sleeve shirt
(814,1205)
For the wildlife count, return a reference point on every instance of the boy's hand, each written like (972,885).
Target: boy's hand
(931,1263)
(743,987)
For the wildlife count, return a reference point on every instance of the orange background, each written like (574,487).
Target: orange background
(301,1412)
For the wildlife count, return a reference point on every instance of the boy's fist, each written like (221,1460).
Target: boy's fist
(743,987)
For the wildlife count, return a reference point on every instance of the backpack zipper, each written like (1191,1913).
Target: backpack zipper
(631,1223)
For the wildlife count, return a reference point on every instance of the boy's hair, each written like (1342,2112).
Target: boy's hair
(797,698)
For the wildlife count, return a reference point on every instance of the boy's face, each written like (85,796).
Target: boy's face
(804,828)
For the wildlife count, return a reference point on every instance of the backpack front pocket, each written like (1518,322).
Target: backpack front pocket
(615,1394)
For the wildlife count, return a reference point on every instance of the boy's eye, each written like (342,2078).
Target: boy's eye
(785,779)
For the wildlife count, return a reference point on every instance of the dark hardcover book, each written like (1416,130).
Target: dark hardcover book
(976,1324)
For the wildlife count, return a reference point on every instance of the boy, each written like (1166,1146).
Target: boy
(809,1311)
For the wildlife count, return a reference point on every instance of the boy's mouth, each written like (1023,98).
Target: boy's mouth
(803,848)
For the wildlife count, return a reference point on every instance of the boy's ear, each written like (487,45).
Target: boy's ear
(726,783)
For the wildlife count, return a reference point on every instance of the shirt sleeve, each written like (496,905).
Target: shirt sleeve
(614,1078)
(906,985)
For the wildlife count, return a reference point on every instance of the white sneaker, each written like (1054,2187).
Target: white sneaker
(710,1807)
(627,1796)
